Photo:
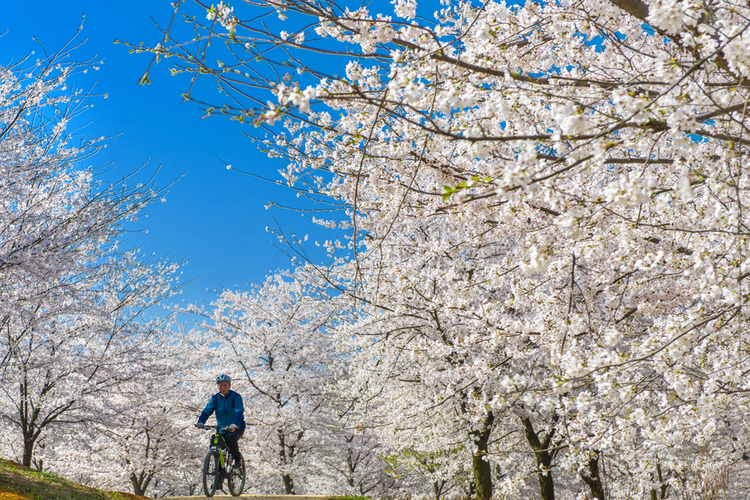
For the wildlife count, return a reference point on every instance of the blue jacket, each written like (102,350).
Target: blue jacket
(229,410)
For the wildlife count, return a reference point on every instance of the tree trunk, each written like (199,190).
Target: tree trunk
(28,450)
(481,466)
(285,476)
(27,419)
(140,483)
(437,488)
(31,422)
(662,493)
(543,457)
(594,480)
(288,484)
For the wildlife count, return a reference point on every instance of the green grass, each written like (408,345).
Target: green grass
(352,497)
(22,483)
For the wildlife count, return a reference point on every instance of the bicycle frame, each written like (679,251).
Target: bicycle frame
(218,443)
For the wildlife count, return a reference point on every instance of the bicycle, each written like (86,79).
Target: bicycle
(219,465)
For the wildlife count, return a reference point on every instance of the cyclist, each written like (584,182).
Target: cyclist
(229,413)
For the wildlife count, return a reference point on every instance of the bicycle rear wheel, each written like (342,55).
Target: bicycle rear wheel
(236,479)
(211,473)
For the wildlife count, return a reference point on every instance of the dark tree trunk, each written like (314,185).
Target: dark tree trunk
(437,488)
(286,477)
(594,479)
(27,419)
(543,457)
(28,450)
(288,484)
(31,421)
(481,466)
(661,494)
(140,483)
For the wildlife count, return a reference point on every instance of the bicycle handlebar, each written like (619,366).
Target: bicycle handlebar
(214,427)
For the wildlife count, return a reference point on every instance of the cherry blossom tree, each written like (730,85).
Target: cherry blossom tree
(585,162)
(73,303)
(354,463)
(148,444)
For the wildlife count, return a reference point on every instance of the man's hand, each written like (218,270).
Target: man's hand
(199,425)
(232,427)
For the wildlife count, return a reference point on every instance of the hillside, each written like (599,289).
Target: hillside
(22,483)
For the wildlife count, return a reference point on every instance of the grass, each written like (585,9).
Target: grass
(22,483)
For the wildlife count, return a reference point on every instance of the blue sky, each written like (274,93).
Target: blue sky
(213,217)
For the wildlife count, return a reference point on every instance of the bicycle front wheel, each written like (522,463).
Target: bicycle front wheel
(237,479)
(211,473)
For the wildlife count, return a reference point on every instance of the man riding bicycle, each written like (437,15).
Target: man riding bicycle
(229,413)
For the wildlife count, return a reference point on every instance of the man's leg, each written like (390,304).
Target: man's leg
(231,439)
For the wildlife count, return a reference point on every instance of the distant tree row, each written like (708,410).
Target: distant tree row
(81,365)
